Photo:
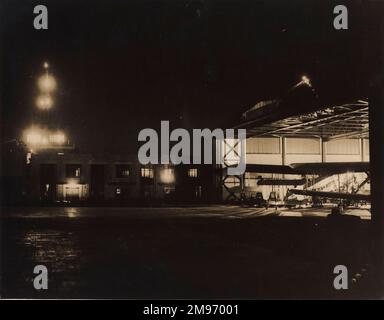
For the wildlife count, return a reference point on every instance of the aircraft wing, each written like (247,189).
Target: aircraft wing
(280,182)
(333,195)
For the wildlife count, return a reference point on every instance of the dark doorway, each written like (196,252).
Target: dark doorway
(97,181)
(48,181)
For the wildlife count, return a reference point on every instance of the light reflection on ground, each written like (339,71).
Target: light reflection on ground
(193,252)
(218,211)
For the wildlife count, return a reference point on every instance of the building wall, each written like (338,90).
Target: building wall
(13,164)
(167,182)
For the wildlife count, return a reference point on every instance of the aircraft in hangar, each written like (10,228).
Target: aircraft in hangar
(309,181)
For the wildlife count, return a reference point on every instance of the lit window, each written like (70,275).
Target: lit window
(192,173)
(167,175)
(118,191)
(122,171)
(73,170)
(147,173)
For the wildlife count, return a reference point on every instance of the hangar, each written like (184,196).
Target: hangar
(319,148)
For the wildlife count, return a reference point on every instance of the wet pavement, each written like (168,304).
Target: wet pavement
(190,252)
(216,211)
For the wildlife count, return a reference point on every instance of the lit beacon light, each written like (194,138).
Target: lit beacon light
(33,138)
(57,138)
(306,81)
(44,102)
(46,83)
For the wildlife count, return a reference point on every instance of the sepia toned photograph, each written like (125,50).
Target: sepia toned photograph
(183,150)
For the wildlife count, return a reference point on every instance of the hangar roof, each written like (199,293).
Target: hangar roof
(331,122)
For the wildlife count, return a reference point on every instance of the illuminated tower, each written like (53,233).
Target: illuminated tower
(44,134)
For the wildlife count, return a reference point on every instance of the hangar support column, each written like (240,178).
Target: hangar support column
(283,142)
(323,150)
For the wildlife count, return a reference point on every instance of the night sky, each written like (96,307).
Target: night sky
(125,65)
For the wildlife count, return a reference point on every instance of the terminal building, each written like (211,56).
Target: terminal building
(74,177)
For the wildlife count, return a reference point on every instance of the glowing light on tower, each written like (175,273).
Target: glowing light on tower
(306,81)
(44,102)
(57,138)
(37,138)
(46,83)
(33,137)
(42,138)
